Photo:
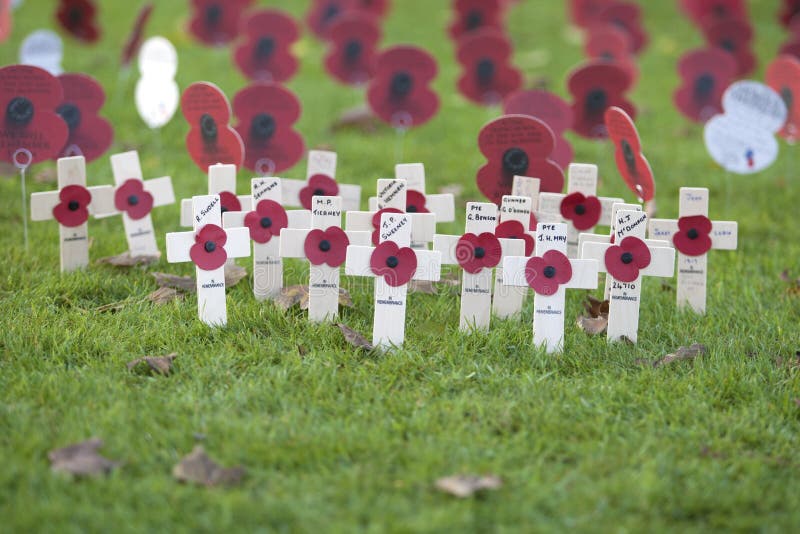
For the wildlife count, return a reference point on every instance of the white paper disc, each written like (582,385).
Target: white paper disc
(158,58)
(755,104)
(738,147)
(43,49)
(156,100)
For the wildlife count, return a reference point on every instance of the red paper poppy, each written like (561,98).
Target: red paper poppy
(474,15)
(376,8)
(583,211)
(267,221)
(228,201)
(216,22)
(266,53)
(783,75)
(210,139)
(398,92)
(319,185)
(326,246)
(396,265)
(477,252)
(5,19)
(791,47)
(132,198)
(265,115)
(692,237)
(546,273)
(90,133)
(789,9)
(585,12)
(517,145)
(77,17)
(208,251)
(611,44)
(596,86)
(551,109)
(705,75)
(29,97)
(632,165)
(353,42)
(702,11)
(376,223)
(415,202)
(134,41)
(73,208)
(324,13)
(733,36)
(624,261)
(487,77)
(627,17)
(516,230)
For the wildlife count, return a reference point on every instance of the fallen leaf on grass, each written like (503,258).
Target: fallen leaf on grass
(81,459)
(163,295)
(359,118)
(234,274)
(683,353)
(298,295)
(183,283)
(126,260)
(595,322)
(344,298)
(198,468)
(793,284)
(354,338)
(464,486)
(159,364)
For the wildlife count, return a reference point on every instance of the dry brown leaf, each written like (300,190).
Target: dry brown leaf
(359,118)
(683,353)
(595,307)
(291,296)
(344,298)
(464,486)
(183,283)
(163,295)
(198,468)
(594,326)
(81,459)
(234,274)
(422,286)
(159,364)
(354,338)
(126,260)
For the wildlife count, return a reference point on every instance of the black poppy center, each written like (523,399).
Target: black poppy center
(324,245)
(266,222)
(728,44)
(71,115)
(73,205)
(719,10)
(692,233)
(265,47)
(485,70)
(208,127)
(480,252)
(580,209)
(263,126)
(515,161)
(331,12)
(596,101)
(630,157)
(787,96)
(352,50)
(626,258)
(318,193)
(133,200)
(75,16)
(210,246)
(549,271)
(392,262)
(20,110)
(704,85)
(411,209)
(213,14)
(473,20)
(402,83)
(224,209)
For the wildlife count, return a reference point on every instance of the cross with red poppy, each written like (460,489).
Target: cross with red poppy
(442,205)
(693,235)
(580,208)
(324,245)
(549,273)
(265,223)
(393,264)
(393,198)
(478,252)
(221,182)
(209,247)
(71,206)
(321,182)
(627,261)
(134,198)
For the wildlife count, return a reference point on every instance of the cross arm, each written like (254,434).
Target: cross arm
(446,246)
(42,205)
(102,204)
(662,262)
(724,235)
(293,242)
(161,189)
(238,242)
(514,271)
(357,261)
(584,274)
(178,245)
(429,265)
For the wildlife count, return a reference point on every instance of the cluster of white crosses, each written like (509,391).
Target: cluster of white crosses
(539,241)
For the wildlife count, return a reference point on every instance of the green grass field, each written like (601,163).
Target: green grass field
(339,440)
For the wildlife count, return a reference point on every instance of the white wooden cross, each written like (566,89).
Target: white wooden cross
(388,328)
(321,162)
(441,205)
(692,268)
(623,312)
(267,262)
(221,179)
(74,236)
(392,195)
(323,290)
(195,246)
(550,273)
(130,188)
(476,288)
(507,299)
(582,179)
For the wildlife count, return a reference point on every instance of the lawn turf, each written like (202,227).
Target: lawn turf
(339,440)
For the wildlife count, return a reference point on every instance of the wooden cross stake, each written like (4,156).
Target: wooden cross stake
(321,162)
(515,216)
(441,205)
(221,182)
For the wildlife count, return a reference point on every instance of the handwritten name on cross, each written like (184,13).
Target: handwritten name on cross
(221,182)
(417,201)
(515,217)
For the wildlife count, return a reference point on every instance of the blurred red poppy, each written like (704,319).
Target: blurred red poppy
(266,53)
(319,185)
(546,273)
(625,16)
(77,17)
(216,22)
(624,261)
(705,74)
(551,109)
(477,252)
(609,43)
(595,86)
(783,75)
(582,211)
(90,133)
(631,163)
(734,36)
(789,9)
(473,15)
(208,251)
(487,75)
(327,246)
(396,265)
(692,237)
(323,15)
(210,139)
(703,11)
(266,221)
(515,230)
(73,208)
(130,197)
(584,12)
(353,42)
